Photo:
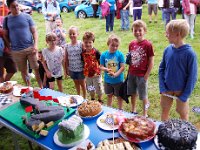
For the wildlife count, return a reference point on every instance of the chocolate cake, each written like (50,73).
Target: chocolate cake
(42,113)
(177,135)
(6,87)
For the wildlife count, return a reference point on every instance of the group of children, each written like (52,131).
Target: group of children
(84,63)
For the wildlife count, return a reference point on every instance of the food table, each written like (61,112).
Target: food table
(96,134)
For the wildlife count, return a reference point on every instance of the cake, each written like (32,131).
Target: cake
(89,109)
(71,129)
(177,135)
(119,144)
(138,127)
(42,113)
(7,87)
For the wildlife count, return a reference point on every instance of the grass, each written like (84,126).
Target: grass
(155,34)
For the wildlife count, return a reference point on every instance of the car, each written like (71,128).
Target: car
(65,5)
(3,9)
(26,9)
(85,10)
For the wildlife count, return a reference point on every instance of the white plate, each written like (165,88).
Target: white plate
(83,145)
(17,90)
(197,142)
(64,100)
(85,136)
(89,117)
(105,126)
(13,82)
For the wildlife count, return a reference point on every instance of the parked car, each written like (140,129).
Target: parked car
(85,10)
(3,9)
(25,9)
(65,5)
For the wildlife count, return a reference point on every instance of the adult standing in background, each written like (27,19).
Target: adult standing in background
(51,11)
(95,5)
(111,16)
(21,36)
(190,11)
(152,7)
(124,13)
(170,8)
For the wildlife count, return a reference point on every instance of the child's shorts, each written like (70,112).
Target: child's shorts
(112,88)
(7,63)
(94,84)
(76,75)
(138,85)
(52,79)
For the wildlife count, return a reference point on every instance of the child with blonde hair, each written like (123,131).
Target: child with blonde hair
(53,61)
(177,70)
(74,64)
(140,60)
(112,63)
(92,72)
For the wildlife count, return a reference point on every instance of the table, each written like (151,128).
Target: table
(96,134)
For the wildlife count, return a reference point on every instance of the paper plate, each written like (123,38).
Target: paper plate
(104,125)
(65,100)
(160,146)
(12,82)
(85,136)
(17,90)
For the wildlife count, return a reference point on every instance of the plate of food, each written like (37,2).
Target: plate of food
(137,129)
(110,121)
(7,87)
(119,143)
(85,145)
(89,109)
(71,132)
(18,91)
(70,100)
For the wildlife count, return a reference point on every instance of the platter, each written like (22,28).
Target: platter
(17,90)
(132,139)
(117,140)
(89,117)
(160,146)
(12,82)
(104,125)
(65,100)
(74,143)
(87,144)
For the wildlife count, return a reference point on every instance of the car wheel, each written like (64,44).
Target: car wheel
(82,14)
(39,10)
(65,10)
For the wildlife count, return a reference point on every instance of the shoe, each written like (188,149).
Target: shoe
(135,113)
(192,36)
(150,21)
(196,110)
(155,21)
(31,75)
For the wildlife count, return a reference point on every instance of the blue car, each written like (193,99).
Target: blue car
(65,5)
(85,10)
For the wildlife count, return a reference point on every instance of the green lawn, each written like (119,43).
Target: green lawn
(155,33)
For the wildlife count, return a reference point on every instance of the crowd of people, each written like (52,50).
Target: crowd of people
(85,64)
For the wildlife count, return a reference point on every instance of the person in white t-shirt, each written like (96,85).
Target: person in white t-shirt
(53,61)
